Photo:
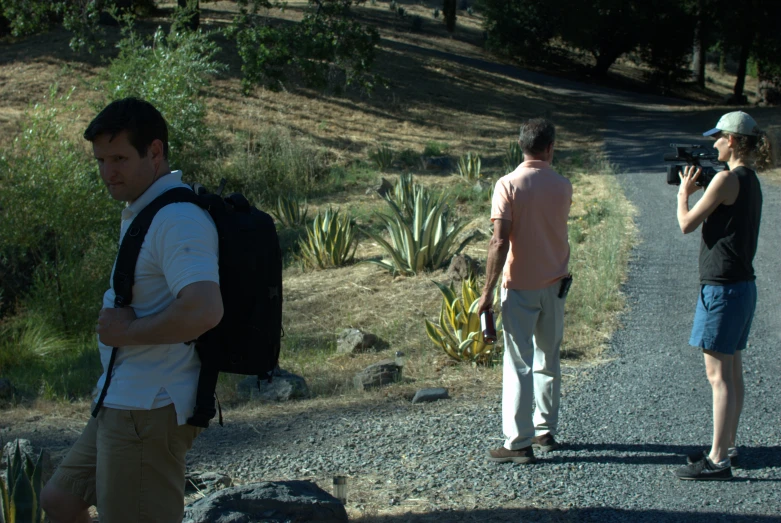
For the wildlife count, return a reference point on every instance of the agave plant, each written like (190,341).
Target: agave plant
(469,167)
(382,157)
(404,194)
(513,157)
(458,332)
(290,212)
(426,240)
(20,498)
(330,241)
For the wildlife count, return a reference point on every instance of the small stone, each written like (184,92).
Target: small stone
(378,374)
(461,268)
(432,394)
(353,341)
(284,386)
(203,482)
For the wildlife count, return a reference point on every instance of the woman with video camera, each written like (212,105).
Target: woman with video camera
(729,211)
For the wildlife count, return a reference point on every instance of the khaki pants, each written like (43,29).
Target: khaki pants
(130,464)
(533,323)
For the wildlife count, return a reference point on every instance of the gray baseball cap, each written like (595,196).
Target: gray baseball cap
(736,122)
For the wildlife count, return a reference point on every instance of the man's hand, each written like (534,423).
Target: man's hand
(114,326)
(688,181)
(486,302)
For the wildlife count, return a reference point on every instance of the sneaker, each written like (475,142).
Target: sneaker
(732,452)
(545,443)
(704,470)
(502,455)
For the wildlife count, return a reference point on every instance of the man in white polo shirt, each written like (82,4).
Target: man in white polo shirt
(130,459)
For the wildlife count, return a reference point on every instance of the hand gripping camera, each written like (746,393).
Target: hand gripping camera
(693,155)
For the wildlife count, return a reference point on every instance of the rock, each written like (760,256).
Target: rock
(353,341)
(434,394)
(482,186)
(377,375)
(6,389)
(206,481)
(284,386)
(383,188)
(27,449)
(462,267)
(436,163)
(272,502)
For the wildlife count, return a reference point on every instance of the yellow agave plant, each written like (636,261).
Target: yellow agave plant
(20,497)
(458,332)
(330,241)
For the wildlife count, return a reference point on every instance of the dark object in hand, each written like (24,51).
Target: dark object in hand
(488,326)
(693,154)
(566,282)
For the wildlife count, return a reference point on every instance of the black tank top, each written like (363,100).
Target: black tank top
(729,235)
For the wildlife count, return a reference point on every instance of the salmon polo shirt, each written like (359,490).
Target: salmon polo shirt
(180,248)
(536,200)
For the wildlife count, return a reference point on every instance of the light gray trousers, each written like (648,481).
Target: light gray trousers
(533,323)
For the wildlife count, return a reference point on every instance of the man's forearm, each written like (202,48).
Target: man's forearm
(497,255)
(179,323)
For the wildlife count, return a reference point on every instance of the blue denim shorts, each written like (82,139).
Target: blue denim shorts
(723,317)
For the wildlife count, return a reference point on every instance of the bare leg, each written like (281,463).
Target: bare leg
(63,507)
(719,368)
(737,379)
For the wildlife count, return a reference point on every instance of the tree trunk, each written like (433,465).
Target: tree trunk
(698,52)
(737,95)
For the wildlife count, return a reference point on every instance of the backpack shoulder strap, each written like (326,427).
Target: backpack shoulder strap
(125,266)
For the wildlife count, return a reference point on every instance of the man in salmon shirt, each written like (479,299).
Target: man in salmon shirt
(529,247)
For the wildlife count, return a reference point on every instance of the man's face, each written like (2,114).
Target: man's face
(126,174)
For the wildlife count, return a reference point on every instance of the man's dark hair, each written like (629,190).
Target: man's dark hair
(142,122)
(536,136)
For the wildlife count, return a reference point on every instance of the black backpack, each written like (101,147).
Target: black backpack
(247,340)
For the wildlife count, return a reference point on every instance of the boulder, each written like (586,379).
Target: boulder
(383,188)
(433,394)
(284,386)
(353,341)
(378,374)
(6,389)
(27,449)
(462,267)
(436,163)
(198,481)
(267,502)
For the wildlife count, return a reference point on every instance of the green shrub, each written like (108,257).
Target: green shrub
(170,71)
(409,158)
(290,212)
(458,332)
(330,241)
(268,164)
(513,157)
(382,157)
(426,241)
(469,167)
(434,149)
(59,224)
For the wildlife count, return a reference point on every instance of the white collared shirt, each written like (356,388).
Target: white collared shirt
(180,248)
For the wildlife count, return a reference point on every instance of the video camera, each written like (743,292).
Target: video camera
(693,154)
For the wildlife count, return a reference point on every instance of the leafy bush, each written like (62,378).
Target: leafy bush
(424,241)
(330,241)
(268,164)
(513,157)
(169,71)
(434,149)
(20,498)
(58,222)
(289,212)
(328,48)
(458,332)
(409,158)
(382,157)
(417,23)
(469,167)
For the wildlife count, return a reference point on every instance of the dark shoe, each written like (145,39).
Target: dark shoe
(732,452)
(704,470)
(502,455)
(545,443)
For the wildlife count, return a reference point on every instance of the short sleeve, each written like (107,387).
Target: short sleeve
(501,204)
(186,246)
